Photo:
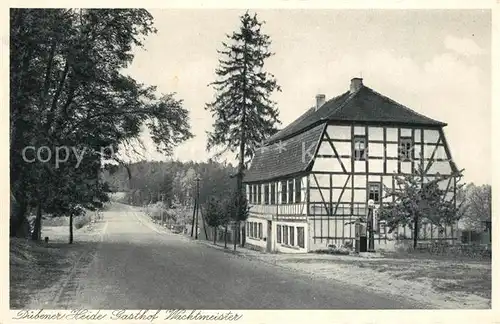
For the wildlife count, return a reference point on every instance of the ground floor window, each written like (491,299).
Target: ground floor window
(300,237)
(254,230)
(290,235)
(285,234)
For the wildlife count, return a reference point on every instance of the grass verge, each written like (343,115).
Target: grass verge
(34,267)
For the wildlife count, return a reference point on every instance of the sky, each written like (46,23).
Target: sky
(437,62)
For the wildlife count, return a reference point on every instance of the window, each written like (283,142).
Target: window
(283,192)
(298,192)
(250,194)
(266,194)
(405,149)
(300,237)
(285,234)
(292,236)
(259,194)
(359,148)
(290,191)
(254,194)
(374,191)
(254,230)
(278,233)
(273,193)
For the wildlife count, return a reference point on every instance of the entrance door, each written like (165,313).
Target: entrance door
(269,236)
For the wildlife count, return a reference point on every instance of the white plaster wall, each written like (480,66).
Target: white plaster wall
(375,134)
(339,132)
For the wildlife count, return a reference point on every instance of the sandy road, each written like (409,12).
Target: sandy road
(133,265)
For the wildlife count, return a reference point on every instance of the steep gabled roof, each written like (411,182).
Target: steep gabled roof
(283,153)
(290,156)
(364,105)
(310,117)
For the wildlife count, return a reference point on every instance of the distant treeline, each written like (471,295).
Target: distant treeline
(148,182)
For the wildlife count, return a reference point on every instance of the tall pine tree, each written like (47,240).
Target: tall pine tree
(243,111)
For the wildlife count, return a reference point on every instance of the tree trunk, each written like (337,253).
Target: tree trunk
(18,219)
(215,235)
(71,228)
(225,237)
(415,231)
(243,233)
(235,234)
(35,236)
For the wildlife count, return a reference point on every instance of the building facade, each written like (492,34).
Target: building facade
(310,181)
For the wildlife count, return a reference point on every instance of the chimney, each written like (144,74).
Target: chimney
(320,100)
(356,84)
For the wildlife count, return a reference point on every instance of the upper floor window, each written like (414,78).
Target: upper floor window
(273,192)
(284,195)
(405,148)
(266,194)
(298,190)
(259,194)
(360,148)
(250,198)
(374,191)
(290,191)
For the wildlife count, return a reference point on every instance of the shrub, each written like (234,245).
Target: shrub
(348,245)
(81,221)
(337,251)
(56,221)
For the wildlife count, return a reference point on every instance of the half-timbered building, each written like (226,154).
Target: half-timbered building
(308,183)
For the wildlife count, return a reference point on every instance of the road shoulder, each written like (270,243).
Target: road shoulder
(381,275)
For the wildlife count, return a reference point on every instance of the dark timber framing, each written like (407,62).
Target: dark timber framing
(331,206)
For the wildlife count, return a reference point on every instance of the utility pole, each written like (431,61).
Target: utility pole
(197,206)
(194,214)
(161,209)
